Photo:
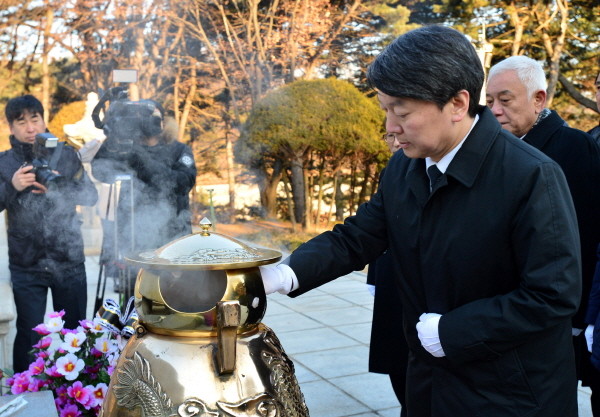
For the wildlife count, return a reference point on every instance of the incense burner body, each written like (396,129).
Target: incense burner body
(200,348)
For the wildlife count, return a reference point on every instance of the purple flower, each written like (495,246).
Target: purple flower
(37,367)
(80,393)
(70,410)
(20,383)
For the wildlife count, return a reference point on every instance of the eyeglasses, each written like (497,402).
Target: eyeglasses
(389,138)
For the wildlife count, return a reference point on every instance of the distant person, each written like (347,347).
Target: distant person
(595,132)
(483,235)
(45,245)
(388,351)
(139,143)
(516,94)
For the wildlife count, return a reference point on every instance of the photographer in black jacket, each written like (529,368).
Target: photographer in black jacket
(45,245)
(162,172)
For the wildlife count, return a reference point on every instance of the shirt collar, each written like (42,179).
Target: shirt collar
(443,163)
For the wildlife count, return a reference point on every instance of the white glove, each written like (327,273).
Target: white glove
(278,278)
(589,336)
(427,330)
(371,289)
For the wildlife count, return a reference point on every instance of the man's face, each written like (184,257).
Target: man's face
(508,99)
(421,128)
(598,92)
(27,126)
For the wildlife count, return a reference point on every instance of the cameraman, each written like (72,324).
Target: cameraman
(162,172)
(45,245)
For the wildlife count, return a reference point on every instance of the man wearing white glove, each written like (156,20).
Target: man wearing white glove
(483,238)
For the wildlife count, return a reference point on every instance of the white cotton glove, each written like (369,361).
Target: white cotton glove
(278,278)
(589,336)
(371,289)
(427,330)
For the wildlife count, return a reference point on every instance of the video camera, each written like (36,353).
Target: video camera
(41,154)
(127,122)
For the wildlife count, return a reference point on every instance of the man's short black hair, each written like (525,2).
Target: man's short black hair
(18,106)
(431,63)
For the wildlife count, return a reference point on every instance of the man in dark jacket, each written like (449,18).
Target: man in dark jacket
(45,245)
(162,172)
(595,131)
(388,351)
(486,249)
(516,94)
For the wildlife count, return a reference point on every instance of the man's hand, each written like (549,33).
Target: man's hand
(278,278)
(23,178)
(427,330)
(589,337)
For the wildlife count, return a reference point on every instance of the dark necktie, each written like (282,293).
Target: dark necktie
(434,175)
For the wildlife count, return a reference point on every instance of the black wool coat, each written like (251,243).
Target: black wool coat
(495,250)
(579,157)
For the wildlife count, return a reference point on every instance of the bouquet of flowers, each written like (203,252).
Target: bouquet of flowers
(75,364)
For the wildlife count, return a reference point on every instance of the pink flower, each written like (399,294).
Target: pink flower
(35,385)
(78,392)
(86,324)
(98,394)
(70,410)
(37,367)
(20,383)
(43,354)
(53,372)
(44,343)
(69,366)
(41,329)
(55,314)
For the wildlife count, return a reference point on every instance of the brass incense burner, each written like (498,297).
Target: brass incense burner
(200,348)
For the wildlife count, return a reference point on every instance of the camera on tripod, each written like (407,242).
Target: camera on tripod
(127,122)
(44,174)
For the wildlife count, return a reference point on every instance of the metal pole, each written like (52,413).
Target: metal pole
(213,217)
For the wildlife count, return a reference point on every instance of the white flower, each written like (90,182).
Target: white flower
(54,324)
(69,366)
(73,342)
(105,345)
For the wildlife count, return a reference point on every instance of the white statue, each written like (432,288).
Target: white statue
(83,134)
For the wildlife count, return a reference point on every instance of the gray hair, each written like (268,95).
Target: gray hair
(431,63)
(529,71)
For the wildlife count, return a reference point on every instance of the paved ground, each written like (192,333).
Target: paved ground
(326,333)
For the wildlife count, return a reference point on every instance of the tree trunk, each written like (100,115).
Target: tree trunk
(319,194)
(362,196)
(45,62)
(297,181)
(290,201)
(555,51)
(230,172)
(268,190)
(339,198)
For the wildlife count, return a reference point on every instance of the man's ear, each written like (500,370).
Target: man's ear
(460,105)
(539,100)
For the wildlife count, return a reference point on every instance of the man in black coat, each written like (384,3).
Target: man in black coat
(45,245)
(486,249)
(388,351)
(516,94)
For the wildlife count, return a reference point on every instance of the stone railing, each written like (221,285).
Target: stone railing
(7,309)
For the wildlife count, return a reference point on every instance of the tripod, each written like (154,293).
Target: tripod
(124,278)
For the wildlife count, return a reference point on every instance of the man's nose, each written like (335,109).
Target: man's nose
(497,109)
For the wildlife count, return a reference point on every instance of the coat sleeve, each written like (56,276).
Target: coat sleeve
(348,247)
(594,299)
(78,187)
(545,243)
